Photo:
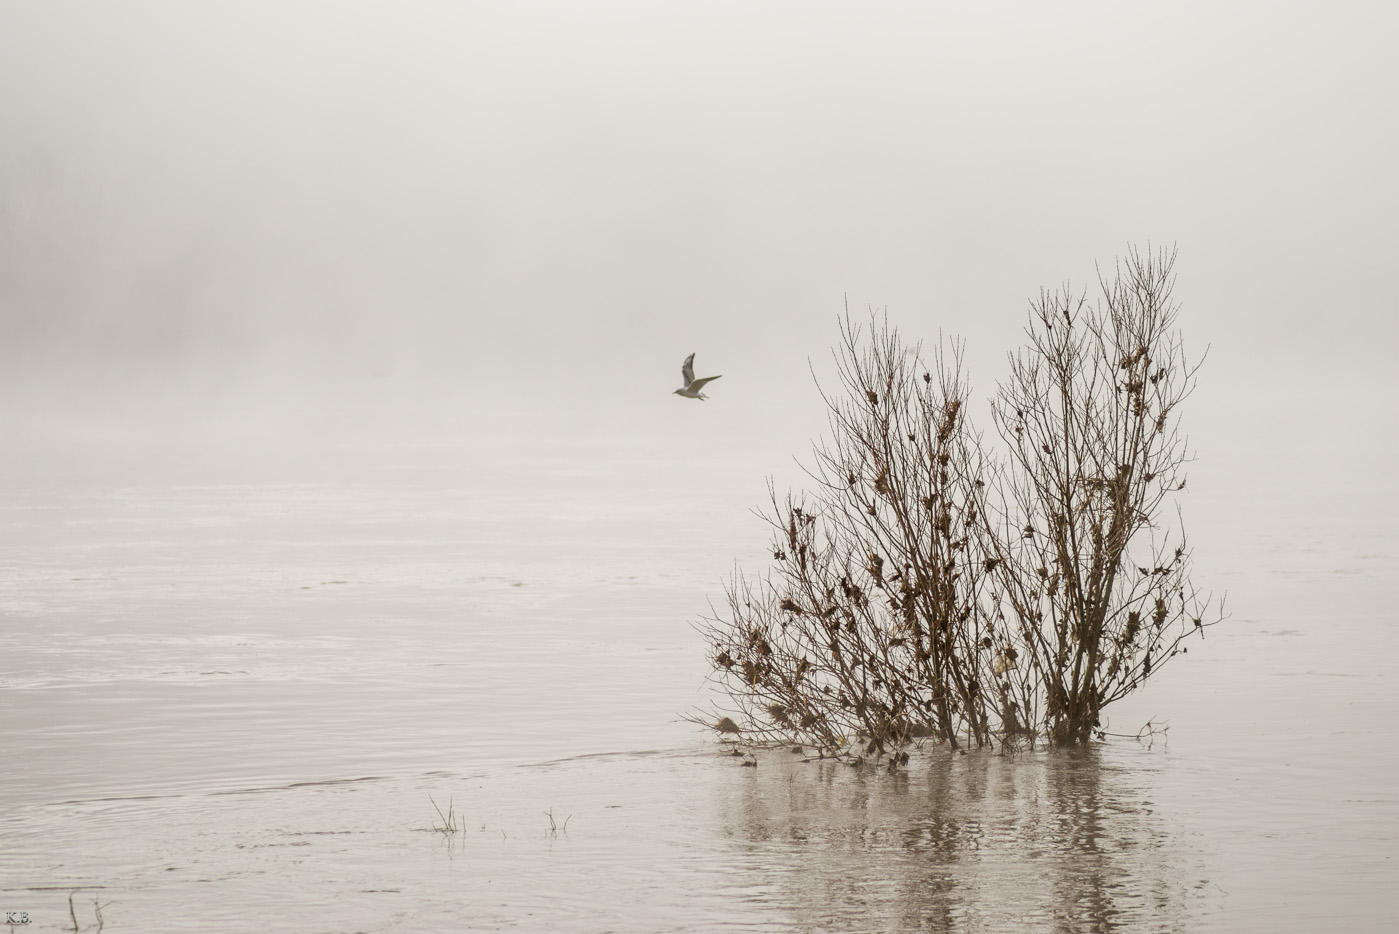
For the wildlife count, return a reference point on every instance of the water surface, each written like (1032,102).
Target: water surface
(232,688)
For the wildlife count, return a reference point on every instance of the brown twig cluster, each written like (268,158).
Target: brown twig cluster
(929,585)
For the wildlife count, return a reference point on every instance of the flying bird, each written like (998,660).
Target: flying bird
(692,387)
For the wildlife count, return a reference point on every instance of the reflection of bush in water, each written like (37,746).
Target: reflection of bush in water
(963,843)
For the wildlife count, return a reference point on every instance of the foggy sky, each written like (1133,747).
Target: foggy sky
(302,202)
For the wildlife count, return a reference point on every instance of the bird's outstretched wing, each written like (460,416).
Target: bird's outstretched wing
(697,384)
(687,370)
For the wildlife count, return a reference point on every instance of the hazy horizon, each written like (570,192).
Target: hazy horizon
(271,210)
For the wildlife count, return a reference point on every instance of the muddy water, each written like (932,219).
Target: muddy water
(231,695)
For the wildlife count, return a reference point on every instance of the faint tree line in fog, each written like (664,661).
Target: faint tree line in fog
(930,584)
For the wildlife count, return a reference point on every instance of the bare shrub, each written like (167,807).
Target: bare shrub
(924,588)
(1099,589)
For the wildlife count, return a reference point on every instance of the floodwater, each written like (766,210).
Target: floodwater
(238,682)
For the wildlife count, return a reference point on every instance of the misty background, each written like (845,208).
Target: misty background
(337,440)
(274,220)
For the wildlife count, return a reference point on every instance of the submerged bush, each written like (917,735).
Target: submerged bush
(930,584)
